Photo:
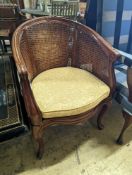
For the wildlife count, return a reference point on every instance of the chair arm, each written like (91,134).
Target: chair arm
(126,59)
(105,46)
(31,106)
(96,54)
(114,54)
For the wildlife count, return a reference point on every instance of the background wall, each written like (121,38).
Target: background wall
(113,18)
(110,24)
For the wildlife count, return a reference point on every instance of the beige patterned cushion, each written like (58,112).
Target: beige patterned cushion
(67,91)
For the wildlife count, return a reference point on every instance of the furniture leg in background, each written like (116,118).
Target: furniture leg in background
(127,123)
(124,92)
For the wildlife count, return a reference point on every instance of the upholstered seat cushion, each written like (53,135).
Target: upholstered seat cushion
(67,91)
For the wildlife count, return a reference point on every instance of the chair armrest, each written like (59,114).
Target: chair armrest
(105,46)
(30,103)
(101,42)
(97,54)
(32,108)
(125,58)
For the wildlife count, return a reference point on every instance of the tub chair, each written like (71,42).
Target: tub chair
(65,71)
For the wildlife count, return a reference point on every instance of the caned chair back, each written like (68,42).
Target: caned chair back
(48,42)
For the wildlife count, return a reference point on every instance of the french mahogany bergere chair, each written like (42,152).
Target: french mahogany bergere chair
(66,73)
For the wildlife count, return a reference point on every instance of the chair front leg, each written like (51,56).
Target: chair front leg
(37,132)
(34,114)
(128,121)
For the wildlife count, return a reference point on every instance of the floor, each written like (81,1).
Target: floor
(72,150)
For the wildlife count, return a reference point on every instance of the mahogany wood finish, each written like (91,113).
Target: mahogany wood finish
(35,50)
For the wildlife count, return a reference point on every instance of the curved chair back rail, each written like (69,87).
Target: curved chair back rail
(50,42)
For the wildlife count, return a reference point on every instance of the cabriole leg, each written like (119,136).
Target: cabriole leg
(38,137)
(127,122)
